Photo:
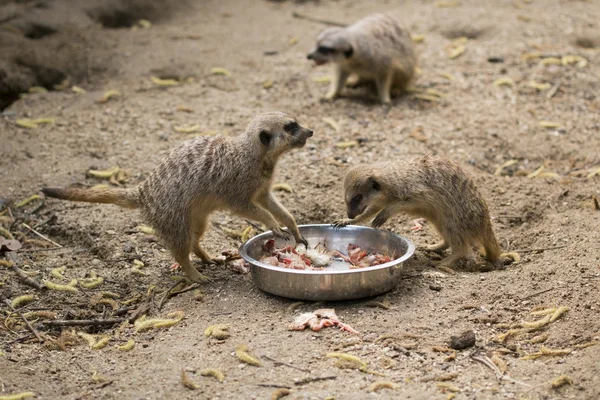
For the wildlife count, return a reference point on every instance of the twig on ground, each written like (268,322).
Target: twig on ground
(167,295)
(539,249)
(84,322)
(315,379)
(273,385)
(31,328)
(21,274)
(298,15)
(285,364)
(485,360)
(40,235)
(553,91)
(536,294)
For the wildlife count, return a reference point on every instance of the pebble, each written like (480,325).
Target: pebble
(435,286)
(463,341)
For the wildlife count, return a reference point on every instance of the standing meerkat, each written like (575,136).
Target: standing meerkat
(375,48)
(206,174)
(433,188)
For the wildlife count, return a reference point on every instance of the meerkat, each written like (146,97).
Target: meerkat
(433,188)
(206,174)
(376,48)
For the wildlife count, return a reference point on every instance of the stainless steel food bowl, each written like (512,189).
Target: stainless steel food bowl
(331,285)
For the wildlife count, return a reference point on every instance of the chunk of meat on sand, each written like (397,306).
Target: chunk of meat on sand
(327,318)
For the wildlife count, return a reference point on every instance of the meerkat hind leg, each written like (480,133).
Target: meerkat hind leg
(199,229)
(182,256)
(458,253)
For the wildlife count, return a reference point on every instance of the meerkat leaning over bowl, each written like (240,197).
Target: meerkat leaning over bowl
(430,187)
(376,48)
(207,174)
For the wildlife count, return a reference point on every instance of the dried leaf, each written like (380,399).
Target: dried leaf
(332,123)
(549,124)
(9,244)
(417,134)
(220,71)
(17,396)
(164,82)
(506,164)
(446,4)
(504,82)
(78,90)
(551,61)
(109,94)
(282,187)
(34,123)
(561,381)
(426,97)
(417,38)
(215,373)
(187,382)
(322,79)
(579,61)
(456,52)
(343,145)
(539,86)
(241,352)
(446,75)
(530,56)
(37,89)
(144,23)
(187,128)
(185,109)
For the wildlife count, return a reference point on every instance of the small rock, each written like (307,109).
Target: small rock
(128,247)
(435,286)
(463,341)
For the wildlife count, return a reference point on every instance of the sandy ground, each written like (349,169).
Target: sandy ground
(549,218)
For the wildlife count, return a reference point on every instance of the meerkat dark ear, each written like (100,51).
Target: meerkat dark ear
(348,53)
(265,137)
(374,184)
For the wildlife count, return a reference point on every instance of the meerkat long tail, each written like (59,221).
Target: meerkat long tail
(122,197)
(490,244)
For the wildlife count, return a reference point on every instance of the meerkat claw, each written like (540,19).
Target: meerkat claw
(303,241)
(378,221)
(341,223)
(281,234)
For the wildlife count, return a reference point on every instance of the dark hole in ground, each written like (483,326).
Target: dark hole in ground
(38,31)
(114,18)
(43,76)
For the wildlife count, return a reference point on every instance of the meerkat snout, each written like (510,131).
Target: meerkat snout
(331,47)
(364,191)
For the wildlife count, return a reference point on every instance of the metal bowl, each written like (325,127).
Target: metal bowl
(328,284)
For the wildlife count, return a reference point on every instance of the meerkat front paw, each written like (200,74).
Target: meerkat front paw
(281,234)
(340,223)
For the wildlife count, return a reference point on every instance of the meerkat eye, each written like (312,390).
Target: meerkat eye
(265,137)
(325,50)
(356,199)
(291,127)
(375,185)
